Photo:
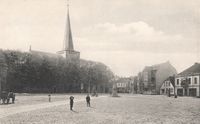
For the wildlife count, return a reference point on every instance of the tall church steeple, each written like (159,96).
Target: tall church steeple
(71,55)
(68,40)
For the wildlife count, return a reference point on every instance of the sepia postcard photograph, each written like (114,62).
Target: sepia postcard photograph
(99,62)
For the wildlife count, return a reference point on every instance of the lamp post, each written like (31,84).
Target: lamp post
(89,80)
(114,88)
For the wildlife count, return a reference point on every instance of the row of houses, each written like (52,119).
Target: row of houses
(186,83)
(150,80)
(163,79)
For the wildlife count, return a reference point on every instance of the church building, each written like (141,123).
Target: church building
(72,56)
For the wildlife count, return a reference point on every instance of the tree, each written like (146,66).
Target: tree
(28,72)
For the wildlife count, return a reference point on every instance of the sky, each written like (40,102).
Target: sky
(126,35)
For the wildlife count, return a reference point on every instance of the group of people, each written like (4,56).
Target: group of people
(72,101)
(6,96)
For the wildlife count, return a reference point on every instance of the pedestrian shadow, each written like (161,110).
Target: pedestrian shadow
(74,111)
(92,107)
(6,103)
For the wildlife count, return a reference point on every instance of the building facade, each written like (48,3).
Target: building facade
(168,86)
(124,85)
(187,83)
(140,85)
(135,84)
(152,77)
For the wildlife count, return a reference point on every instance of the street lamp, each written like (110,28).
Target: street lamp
(89,80)
(114,88)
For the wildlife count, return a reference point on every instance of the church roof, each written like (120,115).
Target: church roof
(191,70)
(39,56)
(43,54)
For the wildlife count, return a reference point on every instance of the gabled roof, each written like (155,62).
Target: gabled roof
(171,79)
(161,64)
(191,70)
(157,66)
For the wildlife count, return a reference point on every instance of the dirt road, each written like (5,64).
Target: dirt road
(126,109)
(4,112)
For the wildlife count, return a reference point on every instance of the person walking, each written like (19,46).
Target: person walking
(71,102)
(88,100)
(49,97)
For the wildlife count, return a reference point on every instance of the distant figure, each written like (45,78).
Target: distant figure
(169,95)
(49,97)
(4,96)
(71,102)
(8,98)
(13,98)
(175,96)
(88,100)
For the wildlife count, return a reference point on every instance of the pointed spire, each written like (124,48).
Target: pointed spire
(68,41)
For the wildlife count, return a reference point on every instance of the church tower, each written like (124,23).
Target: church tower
(71,55)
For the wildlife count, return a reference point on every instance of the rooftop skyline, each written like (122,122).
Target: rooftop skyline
(125,35)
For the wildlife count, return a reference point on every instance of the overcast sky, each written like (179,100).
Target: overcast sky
(126,35)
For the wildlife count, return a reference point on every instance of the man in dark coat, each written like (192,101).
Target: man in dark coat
(88,100)
(71,102)
(13,98)
(4,97)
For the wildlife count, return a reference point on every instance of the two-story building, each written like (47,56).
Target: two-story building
(168,86)
(187,82)
(124,85)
